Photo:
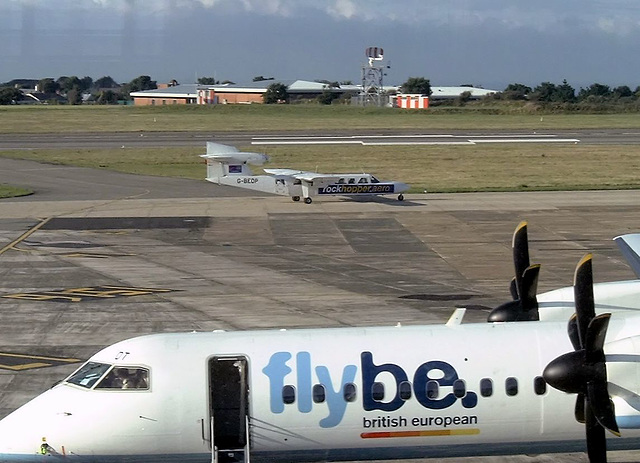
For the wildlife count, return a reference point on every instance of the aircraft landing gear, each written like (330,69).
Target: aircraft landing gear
(307,200)
(400,197)
(296,198)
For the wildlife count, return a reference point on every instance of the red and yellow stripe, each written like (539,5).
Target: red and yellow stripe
(432,433)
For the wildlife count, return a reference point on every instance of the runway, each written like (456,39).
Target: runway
(379,136)
(95,257)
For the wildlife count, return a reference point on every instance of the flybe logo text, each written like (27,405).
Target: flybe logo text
(427,376)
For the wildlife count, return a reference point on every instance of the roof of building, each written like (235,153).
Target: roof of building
(453,92)
(293,86)
(177,91)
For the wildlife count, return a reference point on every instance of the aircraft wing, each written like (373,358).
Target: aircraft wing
(630,247)
(300,174)
(287,172)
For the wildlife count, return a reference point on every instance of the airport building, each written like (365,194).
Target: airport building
(298,90)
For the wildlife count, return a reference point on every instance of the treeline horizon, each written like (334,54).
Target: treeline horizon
(105,90)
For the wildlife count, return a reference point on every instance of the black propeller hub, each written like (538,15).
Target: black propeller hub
(571,372)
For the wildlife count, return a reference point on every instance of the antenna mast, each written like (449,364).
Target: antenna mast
(372,75)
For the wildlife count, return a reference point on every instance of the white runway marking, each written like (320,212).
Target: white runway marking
(427,139)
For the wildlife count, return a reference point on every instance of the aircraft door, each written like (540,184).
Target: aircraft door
(229,408)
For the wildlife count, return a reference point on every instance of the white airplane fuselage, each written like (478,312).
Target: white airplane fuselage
(228,166)
(327,394)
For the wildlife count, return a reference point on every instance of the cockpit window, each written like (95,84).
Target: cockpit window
(374,180)
(88,374)
(125,378)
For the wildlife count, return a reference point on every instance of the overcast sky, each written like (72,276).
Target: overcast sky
(484,42)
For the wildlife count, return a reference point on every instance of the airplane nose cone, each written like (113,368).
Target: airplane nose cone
(403,187)
(19,434)
(33,429)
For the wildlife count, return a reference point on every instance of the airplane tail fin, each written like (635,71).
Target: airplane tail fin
(630,247)
(223,160)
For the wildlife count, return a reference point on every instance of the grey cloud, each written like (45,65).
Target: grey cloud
(490,42)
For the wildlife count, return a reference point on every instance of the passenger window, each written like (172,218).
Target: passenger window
(404,389)
(511,386)
(125,378)
(288,394)
(432,389)
(352,181)
(486,387)
(459,388)
(539,385)
(377,391)
(88,374)
(349,392)
(340,181)
(363,180)
(318,393)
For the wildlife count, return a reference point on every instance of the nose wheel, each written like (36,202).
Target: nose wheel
(400,197)
(307,200)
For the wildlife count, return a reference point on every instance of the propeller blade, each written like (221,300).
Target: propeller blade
(523,287)
(520,245)
(513,289)
(572,329)
(596,334)
(529,289)
(584,371)
(580,405)
(602,407)
(596,440)
(583,296)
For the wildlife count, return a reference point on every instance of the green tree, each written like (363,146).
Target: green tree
(105,82)
(327,96)
(9,95)
(599,91)
(107,97)
(86,83)
(622,91)
(208,81)
(418,85)
(544,92)
(68,83)
(565,93)
(462,99)
(142,83)
(74,96)
(521,88)
(276,93)
(515,92)
(48,85)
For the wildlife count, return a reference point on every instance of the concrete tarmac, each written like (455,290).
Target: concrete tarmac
(79,272)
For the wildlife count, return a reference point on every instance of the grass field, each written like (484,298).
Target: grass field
(7,191)
(309,118)
(434,168)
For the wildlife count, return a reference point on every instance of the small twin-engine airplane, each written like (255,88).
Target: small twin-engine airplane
(228,166)
(360,393)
